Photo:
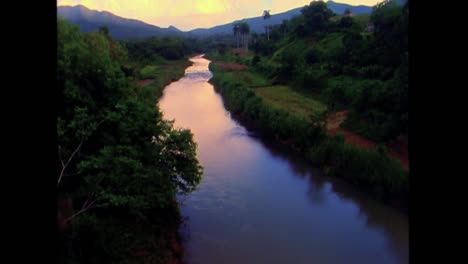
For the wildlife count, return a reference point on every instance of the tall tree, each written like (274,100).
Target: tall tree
(316,16)
(236,31)
(347,12)
(245,31)
(266,15)
(104,30)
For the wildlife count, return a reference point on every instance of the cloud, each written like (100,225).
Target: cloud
(189,14)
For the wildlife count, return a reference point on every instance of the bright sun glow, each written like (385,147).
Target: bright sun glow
(190,14)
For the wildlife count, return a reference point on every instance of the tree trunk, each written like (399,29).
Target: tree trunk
(247,44)
(242,39)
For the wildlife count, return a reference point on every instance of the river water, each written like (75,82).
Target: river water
(259,204)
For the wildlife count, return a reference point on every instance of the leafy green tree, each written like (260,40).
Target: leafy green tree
(346,22)
(316,15)
(104,30)
(266,15)
(245,31)
(118,158)
(236,31)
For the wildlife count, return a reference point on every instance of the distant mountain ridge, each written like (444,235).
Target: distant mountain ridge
(257,24)
(119,27)
(339,8)
(124,28)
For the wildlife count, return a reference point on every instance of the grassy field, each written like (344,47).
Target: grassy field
(284,98)
(163,73)
(331,44)
(158,76)
(149,72)
(247,78)
(299,47)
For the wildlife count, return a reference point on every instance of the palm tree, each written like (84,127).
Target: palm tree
(266,15)
(245,30)
(236,31)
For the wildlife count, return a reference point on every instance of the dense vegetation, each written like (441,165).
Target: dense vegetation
(346,64)
(121,165)
(157,49)
(354,63)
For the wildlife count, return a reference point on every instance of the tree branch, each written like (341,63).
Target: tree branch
(68,162)
(60,156)
(86,206)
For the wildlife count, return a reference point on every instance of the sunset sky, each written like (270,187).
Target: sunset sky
(190,14)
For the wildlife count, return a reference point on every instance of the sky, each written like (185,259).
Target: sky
(190,14)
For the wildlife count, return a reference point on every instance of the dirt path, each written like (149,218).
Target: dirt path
(335,119)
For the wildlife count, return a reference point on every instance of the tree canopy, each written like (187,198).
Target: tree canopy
(117,154)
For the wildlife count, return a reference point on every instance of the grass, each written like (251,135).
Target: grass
(166,68)
(331,43)
(149,72)
(362,19)
(284,98)
(163,74)
(247,78)
(299,47)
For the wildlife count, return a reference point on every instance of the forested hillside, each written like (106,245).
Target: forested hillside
(121,165)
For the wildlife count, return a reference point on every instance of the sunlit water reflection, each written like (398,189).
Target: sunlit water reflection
(258,205)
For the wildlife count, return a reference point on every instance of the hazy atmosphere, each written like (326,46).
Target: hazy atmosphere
(191,14)
(233,132)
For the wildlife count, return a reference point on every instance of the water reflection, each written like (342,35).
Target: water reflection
(392,222)
(259,203)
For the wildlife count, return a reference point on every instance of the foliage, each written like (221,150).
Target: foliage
(370,170)
(129,162)
(316,16)
(339,62)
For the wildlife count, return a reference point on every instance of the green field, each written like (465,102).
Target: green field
(248,79)
(284,98)
(164,73)
(149,72)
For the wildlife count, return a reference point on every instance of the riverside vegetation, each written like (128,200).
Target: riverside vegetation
(320,63)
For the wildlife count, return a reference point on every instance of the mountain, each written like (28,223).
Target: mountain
(123,28)
(119,27)
(339,8)
(257,24)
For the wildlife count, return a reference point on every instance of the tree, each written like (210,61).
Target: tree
(346,22)
(347,12)
(222,48)
(236,31)
(316,16)
(118,159)
(245,31)
(390,23)
(266,15)
(104,30)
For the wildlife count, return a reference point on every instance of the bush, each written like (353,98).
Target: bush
(255,60)
(311,79)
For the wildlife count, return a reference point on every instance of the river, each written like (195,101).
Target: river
(260,204)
